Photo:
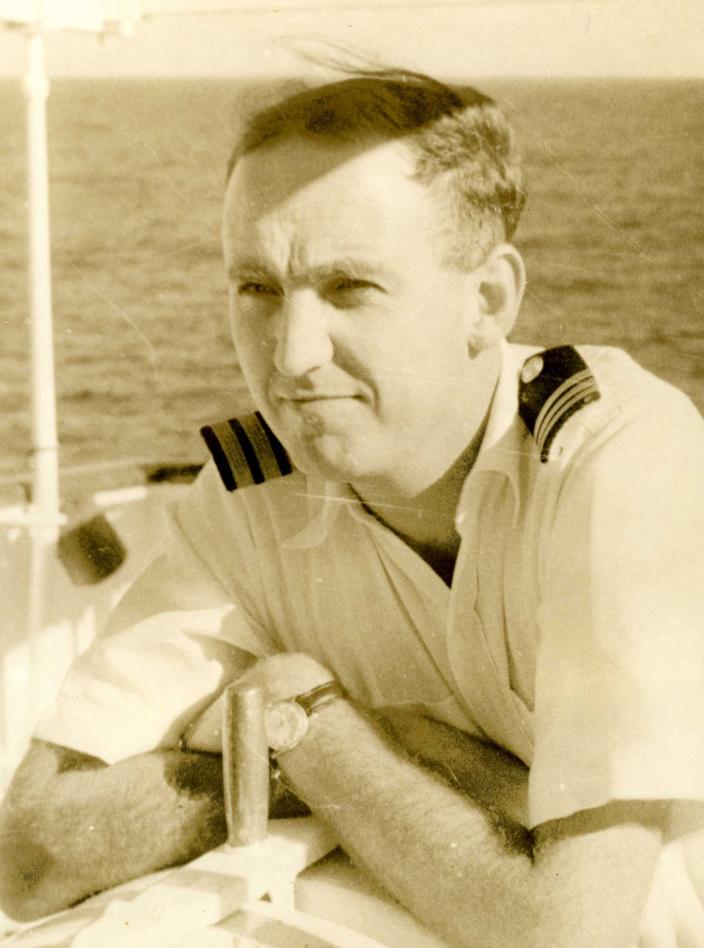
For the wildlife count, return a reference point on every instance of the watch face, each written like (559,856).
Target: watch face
(286,723)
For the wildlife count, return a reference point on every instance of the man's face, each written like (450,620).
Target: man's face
(351,331)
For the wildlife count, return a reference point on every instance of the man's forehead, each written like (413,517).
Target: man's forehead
(275,172)
(314,232)
(305,205)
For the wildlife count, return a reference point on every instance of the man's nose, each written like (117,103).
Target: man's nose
(302,335)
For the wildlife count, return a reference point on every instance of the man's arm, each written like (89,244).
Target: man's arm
(478,879)
(70,825)
(473,877)
(488,774)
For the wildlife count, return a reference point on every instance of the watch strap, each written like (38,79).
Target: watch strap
(318,697)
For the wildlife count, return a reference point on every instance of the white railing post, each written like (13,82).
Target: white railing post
(44,530)
(45,496)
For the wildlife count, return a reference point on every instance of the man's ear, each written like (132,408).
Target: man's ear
(499,283)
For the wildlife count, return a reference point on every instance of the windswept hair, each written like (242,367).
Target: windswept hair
(462,145)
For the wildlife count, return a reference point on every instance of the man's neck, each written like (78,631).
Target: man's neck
(426,521)
(425,518)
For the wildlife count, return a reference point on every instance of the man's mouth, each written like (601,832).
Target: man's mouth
(314,398)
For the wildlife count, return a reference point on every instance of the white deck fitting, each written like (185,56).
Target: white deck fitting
(38,642)
(215,901)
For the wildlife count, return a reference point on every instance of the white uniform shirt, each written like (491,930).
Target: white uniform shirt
(572,634)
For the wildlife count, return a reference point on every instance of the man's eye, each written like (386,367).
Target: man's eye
(349,291)
(253,288)
(345,283)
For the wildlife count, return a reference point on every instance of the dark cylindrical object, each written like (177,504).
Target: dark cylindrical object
(91,550)
(245,759)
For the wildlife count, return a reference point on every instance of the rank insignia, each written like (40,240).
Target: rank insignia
(246,451)
(554,384)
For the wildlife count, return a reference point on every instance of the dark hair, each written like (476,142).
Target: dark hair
(462,144)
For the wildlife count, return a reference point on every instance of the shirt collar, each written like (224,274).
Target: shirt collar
(503,440)
(500,451)
(503,444)
(327,500)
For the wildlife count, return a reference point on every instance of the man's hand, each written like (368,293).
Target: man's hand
(286,675)
(280,676)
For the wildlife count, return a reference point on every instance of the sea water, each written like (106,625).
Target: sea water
(612,237)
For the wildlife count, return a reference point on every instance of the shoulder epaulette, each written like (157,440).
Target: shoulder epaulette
(246,451)
(554,384)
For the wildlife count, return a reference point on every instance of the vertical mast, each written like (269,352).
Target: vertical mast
(45,494)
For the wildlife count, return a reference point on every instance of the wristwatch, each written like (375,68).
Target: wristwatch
(286,722)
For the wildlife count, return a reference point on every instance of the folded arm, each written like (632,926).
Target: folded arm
(474,877)
(433,814)
(426,826)
(71,825)
(489,775)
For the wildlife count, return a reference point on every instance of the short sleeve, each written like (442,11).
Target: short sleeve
(177,638)
(619,704)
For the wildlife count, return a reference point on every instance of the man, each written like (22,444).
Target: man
(495,552)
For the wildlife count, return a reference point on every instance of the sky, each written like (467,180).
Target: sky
(500,38)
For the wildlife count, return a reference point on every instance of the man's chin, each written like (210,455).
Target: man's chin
(327,457)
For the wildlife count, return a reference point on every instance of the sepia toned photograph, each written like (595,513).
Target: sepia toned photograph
(352,474)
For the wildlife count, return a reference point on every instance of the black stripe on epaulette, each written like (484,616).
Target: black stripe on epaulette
(554,384)
(218,455)
(246,451)
(282,458)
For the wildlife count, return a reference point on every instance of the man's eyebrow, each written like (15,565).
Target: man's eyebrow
(354,267)
(237,269)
